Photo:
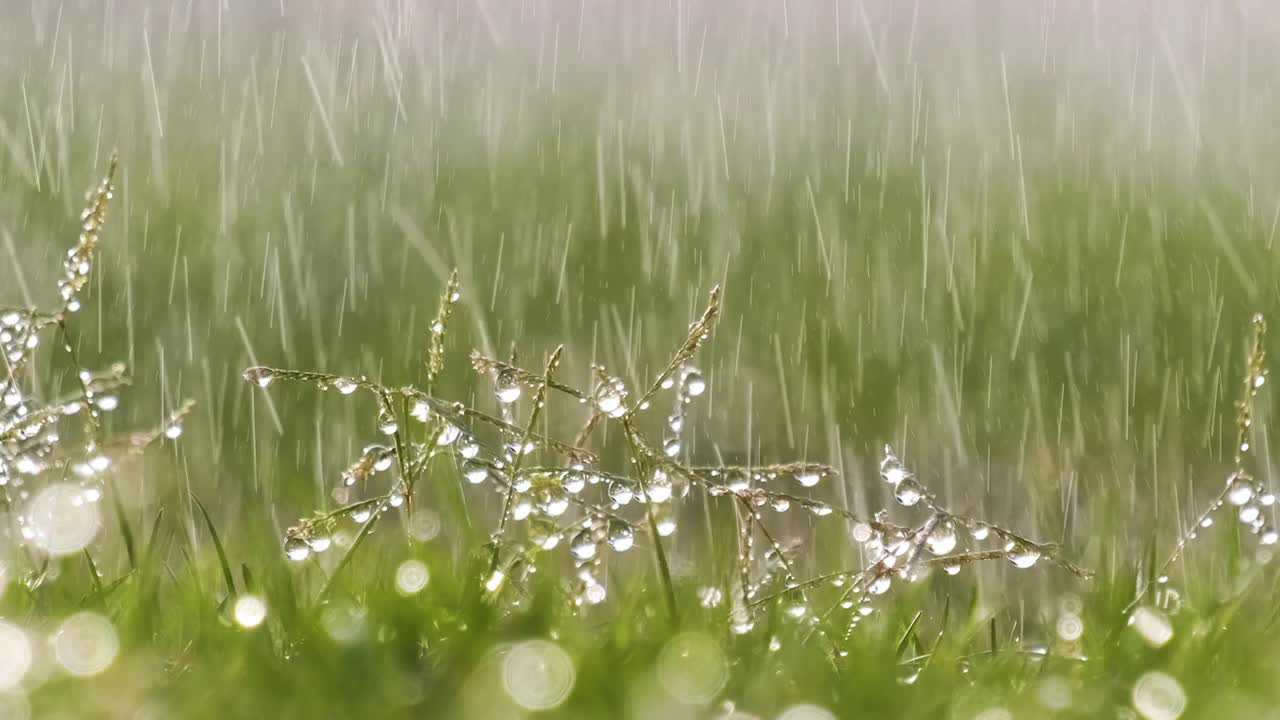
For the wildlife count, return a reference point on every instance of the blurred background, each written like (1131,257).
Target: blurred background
(1020,241)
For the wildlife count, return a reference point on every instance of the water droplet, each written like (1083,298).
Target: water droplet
(345,386)
(620,535)
(61,521)
(249,611)
(942,539)
(448,434)
(879,585)
(583,545)
(622,490)
(609,395)
(387,423)
(15,655)
(259,376)
(411,577)
(1240,489)
(908,492)
(694,385)
(659,487)
(1070,627)
(891,468)
(808,478)
(85,644)
(671,447)
(1249,513)
(1022,556)
(421,411)
(1157,696)
(297,549)
(537,675)
(1151,625)
(507,387)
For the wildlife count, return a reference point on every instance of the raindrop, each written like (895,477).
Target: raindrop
(259,376)
(694,385)
(808,478)
(1152,626)
(537,675)
(1157,696)
(659,488)
(1022,556)
(1240,489)
(891,468)
(249,611)
(297,549)
(622,490)
(85,644)
(908,492)
(387,424)
(411,577)
(448,434)
(942,539)
(609,395)
(879,585)
(345,386)
(583,545)
(507,387)
(620,535)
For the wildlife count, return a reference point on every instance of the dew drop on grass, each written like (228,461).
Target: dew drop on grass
(411,577)
(1069,627)
(1152,626)
(671,447)
(320,543)
(249,611)
(387,424)
(1157,696)
(891,468)
(85,644)
(694,385)
(507,387)
(345,386)
(942,539)
(1240,489)
(908,492)
(448,434)
(1022,556)
(621,491)
(15,655)
(260,376)
(879,585)
(620,536)
(659,488)
(537,675)
(420,411)
(808,478)
(61,520)
(297,549)
(583,544)
(608,397)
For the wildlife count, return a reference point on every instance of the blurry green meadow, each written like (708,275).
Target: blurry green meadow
(1020,242)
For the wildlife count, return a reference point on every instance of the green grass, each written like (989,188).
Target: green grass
(1026,257)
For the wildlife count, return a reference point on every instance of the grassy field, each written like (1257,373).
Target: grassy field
(1021,243)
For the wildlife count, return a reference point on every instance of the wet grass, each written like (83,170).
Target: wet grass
(1028,263)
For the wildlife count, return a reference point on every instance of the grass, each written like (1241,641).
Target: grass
(1027,263)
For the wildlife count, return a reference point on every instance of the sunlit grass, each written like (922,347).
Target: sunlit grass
(1021,245)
